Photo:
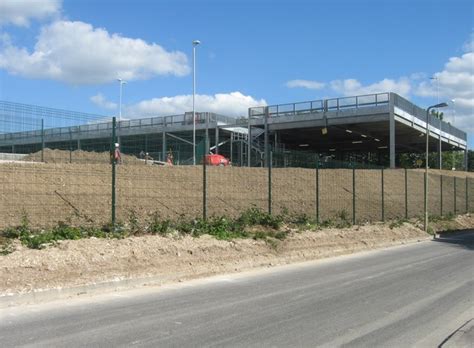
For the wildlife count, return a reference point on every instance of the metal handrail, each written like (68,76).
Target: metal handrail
(169,120)
(314,106)
(420,114)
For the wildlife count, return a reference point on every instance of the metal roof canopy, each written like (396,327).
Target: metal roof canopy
(361,123)
(354,123)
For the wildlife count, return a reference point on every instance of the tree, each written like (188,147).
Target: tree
(451,159)
(437,114)
(470,160)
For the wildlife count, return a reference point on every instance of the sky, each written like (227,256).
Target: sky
(69,53)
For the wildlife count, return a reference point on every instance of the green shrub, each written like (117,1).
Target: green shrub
(281,235)
(134,222)
(397,223)
(158,226)
(6,246)
(255,216)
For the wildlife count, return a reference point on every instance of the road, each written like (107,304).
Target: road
(412,295)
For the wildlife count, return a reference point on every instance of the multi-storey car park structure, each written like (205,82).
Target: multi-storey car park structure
(383,125)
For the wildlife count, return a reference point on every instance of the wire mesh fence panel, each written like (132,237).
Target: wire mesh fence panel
(415,183)
(58,168)
(448,195)
(335,200)
(394,193)
(233,190)
(294,191)
(47,194)
(146,192)
(368,196)
(434,195)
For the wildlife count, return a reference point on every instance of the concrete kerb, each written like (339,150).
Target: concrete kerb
(47,295)
(118,284)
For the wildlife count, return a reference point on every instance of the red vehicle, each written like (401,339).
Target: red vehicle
(217,160)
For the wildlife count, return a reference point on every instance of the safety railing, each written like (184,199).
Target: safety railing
(420,114)
(166,121)
(315,106)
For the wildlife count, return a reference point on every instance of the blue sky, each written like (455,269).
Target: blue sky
(68,54)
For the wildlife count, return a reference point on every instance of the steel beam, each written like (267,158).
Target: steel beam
(392,132)
(163,146)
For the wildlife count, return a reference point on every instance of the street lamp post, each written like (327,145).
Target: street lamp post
(453,101)
(440,105)
(195,43)
(440,158)
(122,82)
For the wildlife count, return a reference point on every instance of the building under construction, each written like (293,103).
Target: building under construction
(373,128)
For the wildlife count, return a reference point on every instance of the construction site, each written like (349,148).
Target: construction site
(374,128)
(335,158)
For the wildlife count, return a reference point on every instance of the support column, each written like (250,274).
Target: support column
(466,160)
(231,147)
(392,141)
(241,153)
(217,139)
(78,144)
(163,145)
(392,132)
(249,142)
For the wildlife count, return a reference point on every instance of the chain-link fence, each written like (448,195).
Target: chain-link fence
(80,170)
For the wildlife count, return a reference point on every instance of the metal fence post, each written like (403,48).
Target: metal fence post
(42,140)
(204,187)
(270,182)
(455,195)
(317,191)
(406,193)
(383,197)
(113,160)
(353,196)
(467,195)
(425,201)
(441,195)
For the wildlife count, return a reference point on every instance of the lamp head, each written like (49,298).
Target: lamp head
(196,42)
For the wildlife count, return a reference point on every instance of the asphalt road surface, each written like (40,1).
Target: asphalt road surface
(414,295)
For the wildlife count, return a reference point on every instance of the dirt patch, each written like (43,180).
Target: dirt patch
(77,156)
(82,262)
(79,193)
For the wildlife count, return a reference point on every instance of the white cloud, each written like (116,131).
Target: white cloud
(102,102)
(456,81)
(469,44)
(230,104)
(305,84)
(350,87)
(77,53)
(19,12)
